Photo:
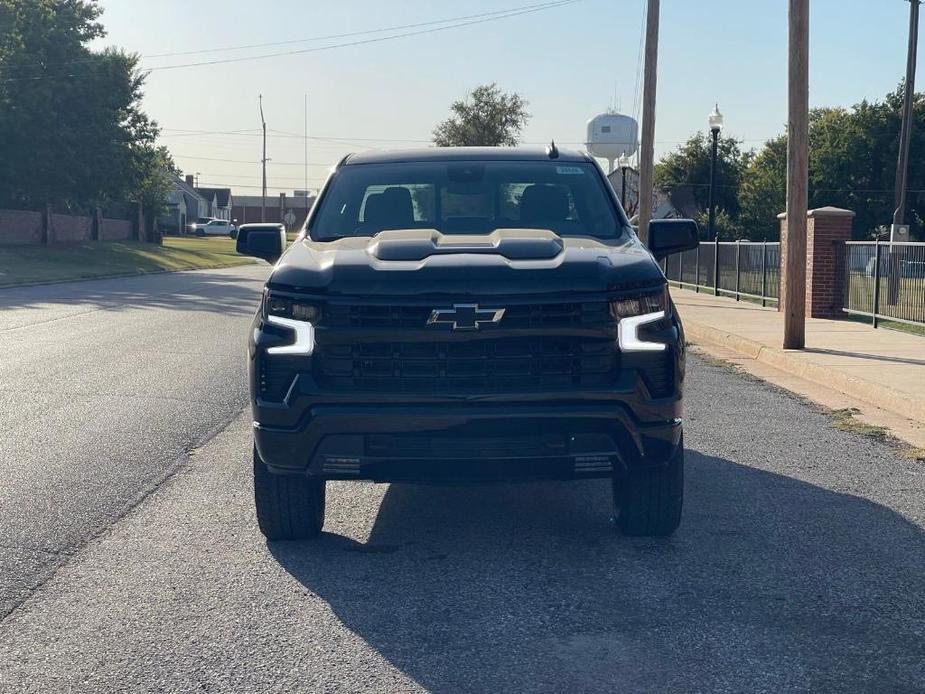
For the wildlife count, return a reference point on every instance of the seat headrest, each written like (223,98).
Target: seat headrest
(390,209)
(543,205)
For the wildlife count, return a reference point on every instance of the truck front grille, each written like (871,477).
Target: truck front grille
(515,316)
(510,364)
(429,446)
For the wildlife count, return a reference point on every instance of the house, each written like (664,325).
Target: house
(184,206)
(668,203)
(220,201)
(174,220)
(631,204)
(288,210)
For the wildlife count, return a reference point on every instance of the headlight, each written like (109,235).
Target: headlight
(275,305)
(296,316)
(650,302)
(635,312)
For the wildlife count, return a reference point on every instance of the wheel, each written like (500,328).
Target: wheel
(289,507)
(647,502)
(200,233)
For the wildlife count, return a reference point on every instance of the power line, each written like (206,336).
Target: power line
(247,161)
(362,42)
(397,27)
(295,179)
(252,187)
(186,132)
(477,18)
(636,90)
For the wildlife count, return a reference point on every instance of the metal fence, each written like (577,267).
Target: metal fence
(747,269)
(885,281)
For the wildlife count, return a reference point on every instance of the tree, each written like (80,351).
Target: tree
(724,225)
(487,117)
(852,164)
(689,165)
(763,194)
(72,131)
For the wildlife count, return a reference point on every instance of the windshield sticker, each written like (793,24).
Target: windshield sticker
(569,170)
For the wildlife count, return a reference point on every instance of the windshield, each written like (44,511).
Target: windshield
(466,197)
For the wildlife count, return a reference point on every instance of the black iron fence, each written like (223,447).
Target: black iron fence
(746,269)
(885,281)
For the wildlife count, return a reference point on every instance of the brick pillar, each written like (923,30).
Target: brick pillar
(827,228)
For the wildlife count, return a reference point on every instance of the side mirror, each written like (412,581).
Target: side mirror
(267,241)
(669,236)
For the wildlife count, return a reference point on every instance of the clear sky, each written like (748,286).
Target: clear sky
(568,61)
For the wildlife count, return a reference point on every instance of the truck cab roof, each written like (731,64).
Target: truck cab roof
(464,154)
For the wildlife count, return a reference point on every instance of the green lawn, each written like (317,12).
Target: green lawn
(37,264)
(890,325)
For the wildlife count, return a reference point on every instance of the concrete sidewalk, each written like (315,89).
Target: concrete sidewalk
(881,367)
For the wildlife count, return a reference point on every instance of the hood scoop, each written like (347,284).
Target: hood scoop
(418,244)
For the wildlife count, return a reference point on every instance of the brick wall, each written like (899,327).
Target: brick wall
(115,230)
(70,229)
(20,227)
(27,228)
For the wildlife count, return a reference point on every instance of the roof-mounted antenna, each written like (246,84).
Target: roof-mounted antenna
(551,150)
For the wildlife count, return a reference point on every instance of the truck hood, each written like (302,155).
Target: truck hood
(426,262)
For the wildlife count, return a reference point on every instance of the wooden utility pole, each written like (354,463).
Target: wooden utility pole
(263,161)
(899,231)
(647,148)
(793,288)
(902,165)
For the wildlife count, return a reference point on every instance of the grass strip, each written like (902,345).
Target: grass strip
(22,265)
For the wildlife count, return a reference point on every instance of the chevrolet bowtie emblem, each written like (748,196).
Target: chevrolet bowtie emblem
(465,316)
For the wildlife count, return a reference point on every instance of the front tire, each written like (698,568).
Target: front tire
(648,501)
(289,507)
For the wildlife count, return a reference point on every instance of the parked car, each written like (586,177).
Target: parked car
(213,227)
(493,316)
(193,227)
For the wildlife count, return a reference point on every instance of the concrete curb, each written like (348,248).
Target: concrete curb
(123,275)
(870,392)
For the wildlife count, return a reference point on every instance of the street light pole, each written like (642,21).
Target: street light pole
(715,121)
(624,165)
(623,186)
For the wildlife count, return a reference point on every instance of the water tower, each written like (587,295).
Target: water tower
(612,135)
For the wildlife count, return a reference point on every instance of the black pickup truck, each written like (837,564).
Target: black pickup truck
(470,314)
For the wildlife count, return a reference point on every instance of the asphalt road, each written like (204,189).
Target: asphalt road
(104,387)
(799,566)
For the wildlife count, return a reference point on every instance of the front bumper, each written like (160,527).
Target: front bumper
(466,442)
